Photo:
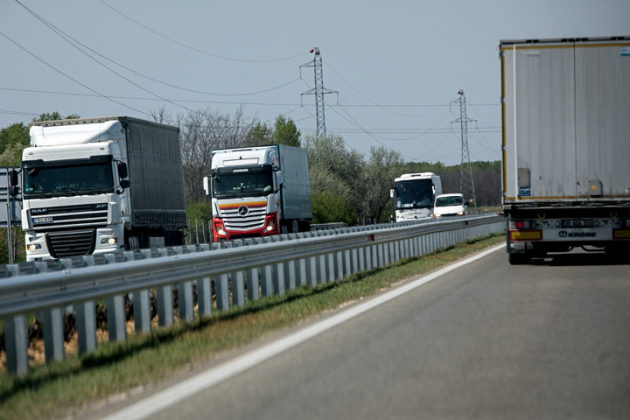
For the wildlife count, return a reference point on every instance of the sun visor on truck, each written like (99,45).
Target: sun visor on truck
(258,169)
(76,134)
(92,160)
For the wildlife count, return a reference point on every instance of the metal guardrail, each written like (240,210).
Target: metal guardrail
(239,270)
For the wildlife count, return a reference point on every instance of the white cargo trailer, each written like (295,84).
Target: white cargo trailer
(566,145)
(100,185)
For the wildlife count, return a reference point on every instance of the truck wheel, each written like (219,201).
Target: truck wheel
(133,243)
(518,259)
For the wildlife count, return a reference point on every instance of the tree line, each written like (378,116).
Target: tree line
(346,186)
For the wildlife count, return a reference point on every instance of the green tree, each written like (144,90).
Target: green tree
(331,208)
(377,176)
(285,132)
(13,140)
(258,135)
(334,170)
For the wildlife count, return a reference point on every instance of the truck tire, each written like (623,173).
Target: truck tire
(133,243)
(519,259)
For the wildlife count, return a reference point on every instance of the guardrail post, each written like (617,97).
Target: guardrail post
(116,317)
(322,273)
(354,260)
(367,257)
(142,311)
(86,327)
(185,301)
(253,285)
(165,306)
(289,275)
(237,281)
(347,263)
(222,292)
(380,255)
(252,276)
(311,263)
(330,257)
(204,296)
(16,344)
(361,256)
(266,280)
(389,253)
(53,334)
(278,279)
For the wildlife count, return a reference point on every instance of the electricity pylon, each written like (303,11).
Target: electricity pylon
(319,90)
(466,182)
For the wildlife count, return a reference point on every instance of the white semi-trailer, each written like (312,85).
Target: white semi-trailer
(100,185)
(566,145)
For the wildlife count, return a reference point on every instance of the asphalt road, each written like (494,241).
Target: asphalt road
(486,341)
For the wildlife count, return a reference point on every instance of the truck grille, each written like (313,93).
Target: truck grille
(254,219)
(69,217)
(69,244)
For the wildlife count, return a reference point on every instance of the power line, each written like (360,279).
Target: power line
(69,77)
(196,49)
(236,103)
(65,37)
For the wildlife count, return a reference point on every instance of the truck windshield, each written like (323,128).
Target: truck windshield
(449,201)
(417,193)
(242,184)
(63,181)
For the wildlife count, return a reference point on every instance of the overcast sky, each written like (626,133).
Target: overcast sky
(397,65)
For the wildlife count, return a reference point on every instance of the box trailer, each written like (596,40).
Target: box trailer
(566,145)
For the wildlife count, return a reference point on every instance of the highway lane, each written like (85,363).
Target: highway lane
(486,341)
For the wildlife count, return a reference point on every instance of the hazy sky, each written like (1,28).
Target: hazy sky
(397,65)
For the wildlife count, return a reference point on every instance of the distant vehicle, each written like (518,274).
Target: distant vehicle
(259,191)
(99,185)
(450,205)
(414,195)
(566,181)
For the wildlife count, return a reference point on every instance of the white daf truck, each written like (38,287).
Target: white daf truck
(100,185)
(259,191)
(566,145)
(414,195)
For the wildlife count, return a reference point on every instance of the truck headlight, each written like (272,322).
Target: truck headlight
(109,241)
(270,223)
(33,247)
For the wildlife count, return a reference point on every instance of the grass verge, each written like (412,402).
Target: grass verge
(68,387)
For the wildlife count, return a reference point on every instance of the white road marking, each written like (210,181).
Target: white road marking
(171,396)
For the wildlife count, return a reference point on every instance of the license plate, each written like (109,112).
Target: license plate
(577,223)
(41,220)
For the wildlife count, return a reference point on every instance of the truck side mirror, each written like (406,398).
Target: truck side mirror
(206,185)
(14,182)
(391,193)
(122,170)
(124,183)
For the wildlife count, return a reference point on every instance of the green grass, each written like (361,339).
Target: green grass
(57,389)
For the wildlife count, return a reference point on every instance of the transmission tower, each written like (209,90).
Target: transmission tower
(466,183)
(319,90)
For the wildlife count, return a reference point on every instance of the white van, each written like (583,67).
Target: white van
(450,205)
